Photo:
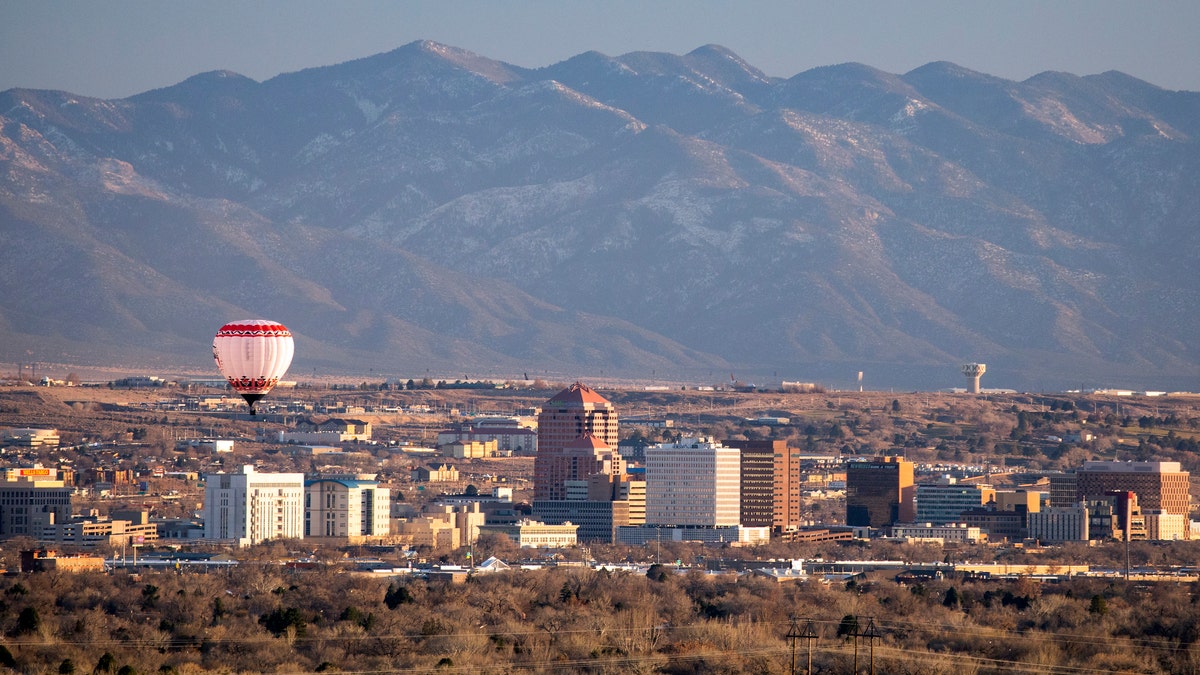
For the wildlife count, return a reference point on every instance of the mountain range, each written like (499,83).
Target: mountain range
(682,217)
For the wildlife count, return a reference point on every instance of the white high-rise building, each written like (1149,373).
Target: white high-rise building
(350,509)
(696,482)
(251,507)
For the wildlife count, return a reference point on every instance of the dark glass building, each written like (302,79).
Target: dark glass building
(879,492)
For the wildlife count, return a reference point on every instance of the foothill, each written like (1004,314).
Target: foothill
(152,524)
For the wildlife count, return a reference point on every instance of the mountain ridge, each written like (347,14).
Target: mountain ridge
(679,214)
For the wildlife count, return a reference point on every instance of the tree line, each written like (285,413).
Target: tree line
(267,618)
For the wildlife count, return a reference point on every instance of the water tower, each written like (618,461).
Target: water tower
(973,371)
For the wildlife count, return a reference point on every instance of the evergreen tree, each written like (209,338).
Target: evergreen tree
(397,595)
(951,599)
(27,622)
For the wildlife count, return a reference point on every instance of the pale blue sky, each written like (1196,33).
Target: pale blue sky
(122,47)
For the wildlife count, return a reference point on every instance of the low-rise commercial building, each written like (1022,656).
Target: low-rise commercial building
(1163,526)
(1030,501)
(1059,524)
(52,561)
(998,524)
(221,445)
(736,535)
(443,527)
(509,436)
(597,506)
(950,533)
(123,528)
(533,534)
(32,438)
(333,430)
(470,449)
(442,473)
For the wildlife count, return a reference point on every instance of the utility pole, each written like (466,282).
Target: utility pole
(809,635)
(857,632)
(871,634)
(793,633)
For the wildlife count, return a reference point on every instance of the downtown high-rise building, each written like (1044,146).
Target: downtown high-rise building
(879,492)
(1159,485)
(694,482)
(757,482)
(579,477)
(770,484)
(577,438)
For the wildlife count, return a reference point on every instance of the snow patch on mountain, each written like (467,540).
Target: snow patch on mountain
(1055,115)
(904,120)
(319,146)
(468,223)
(371,110)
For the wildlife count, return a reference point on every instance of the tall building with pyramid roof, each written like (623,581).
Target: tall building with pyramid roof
(577,438)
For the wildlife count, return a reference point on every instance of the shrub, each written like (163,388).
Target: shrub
(281,619)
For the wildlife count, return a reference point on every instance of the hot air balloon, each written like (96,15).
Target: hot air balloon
(253,355)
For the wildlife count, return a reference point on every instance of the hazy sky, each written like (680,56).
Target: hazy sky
(121,47)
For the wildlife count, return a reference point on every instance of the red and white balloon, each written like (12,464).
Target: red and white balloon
(253,355)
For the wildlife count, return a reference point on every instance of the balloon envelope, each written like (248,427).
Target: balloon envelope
(253,355)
